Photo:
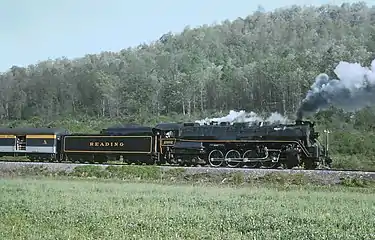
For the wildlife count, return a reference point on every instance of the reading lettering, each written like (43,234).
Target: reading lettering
(106,144)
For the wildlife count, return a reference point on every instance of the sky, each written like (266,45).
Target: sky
(32,31)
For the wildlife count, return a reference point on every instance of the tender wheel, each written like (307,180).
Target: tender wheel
(81,160)
(216,158)
(150,161)
(233,154)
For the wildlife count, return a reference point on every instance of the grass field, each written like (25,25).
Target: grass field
(92,209)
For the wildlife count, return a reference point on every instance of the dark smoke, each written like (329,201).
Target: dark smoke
(354,90)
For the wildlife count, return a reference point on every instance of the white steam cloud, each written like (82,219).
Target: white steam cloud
(354,90)
(242,116)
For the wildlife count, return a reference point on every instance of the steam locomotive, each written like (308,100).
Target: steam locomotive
(246,144)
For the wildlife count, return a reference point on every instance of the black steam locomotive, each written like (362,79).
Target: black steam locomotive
(222,144)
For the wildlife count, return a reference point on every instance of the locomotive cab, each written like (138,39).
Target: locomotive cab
(168,130)
(167,136)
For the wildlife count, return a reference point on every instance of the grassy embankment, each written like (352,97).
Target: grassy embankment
(91,209)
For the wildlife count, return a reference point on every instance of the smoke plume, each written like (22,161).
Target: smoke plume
(243,116)
(353,90)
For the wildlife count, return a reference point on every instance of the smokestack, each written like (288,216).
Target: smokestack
(354,90)
(299,115)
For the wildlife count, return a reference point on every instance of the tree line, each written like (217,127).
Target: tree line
(264,62)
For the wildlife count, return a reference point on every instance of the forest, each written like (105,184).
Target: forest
(263,63)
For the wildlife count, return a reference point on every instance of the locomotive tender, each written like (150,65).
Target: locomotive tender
(222,144)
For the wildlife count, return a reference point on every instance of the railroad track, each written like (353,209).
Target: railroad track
(322,176)
(167,166)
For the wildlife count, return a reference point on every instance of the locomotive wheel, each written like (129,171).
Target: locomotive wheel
(233,154)
(309,165)
(216,154)
(197,161)
(269,164)
(293,159)
(247,154)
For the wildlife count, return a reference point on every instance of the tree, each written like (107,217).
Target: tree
(264,62)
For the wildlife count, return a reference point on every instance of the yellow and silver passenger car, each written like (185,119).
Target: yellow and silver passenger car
(34,143)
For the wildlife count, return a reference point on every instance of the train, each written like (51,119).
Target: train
(216,144)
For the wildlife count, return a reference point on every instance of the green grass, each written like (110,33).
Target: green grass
(93,209)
